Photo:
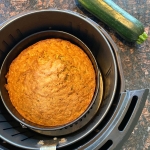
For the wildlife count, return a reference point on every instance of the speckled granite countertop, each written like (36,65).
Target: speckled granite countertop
(135,60)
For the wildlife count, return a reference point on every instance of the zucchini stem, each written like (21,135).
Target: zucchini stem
(142,38)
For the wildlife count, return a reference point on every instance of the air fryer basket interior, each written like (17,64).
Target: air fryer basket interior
(76,25)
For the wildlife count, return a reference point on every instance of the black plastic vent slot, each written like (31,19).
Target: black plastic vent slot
(19,133)
(128,114)
(11,128)
(12,38)
(107,145)
(27,138)
(19,32)
(109,71)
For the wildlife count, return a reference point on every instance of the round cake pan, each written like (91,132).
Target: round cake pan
(16,51)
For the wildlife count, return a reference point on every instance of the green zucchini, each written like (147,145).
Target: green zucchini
(127,26)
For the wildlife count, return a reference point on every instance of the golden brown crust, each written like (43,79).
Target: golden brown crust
(51,82)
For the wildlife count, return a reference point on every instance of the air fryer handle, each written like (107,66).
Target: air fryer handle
(122,122)
(130,111)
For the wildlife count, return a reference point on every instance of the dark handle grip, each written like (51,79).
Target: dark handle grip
(122,122)
(133,107)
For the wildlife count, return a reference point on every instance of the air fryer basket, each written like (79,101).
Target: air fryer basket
(81,28)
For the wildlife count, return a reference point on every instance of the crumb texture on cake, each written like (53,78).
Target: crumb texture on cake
(51,83)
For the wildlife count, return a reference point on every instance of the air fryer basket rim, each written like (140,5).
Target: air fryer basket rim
(81,17)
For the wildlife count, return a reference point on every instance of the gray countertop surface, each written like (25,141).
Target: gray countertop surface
(135,59)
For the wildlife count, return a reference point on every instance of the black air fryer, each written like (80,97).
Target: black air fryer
(112,116)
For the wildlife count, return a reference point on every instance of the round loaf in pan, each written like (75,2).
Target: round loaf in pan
(51,82)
